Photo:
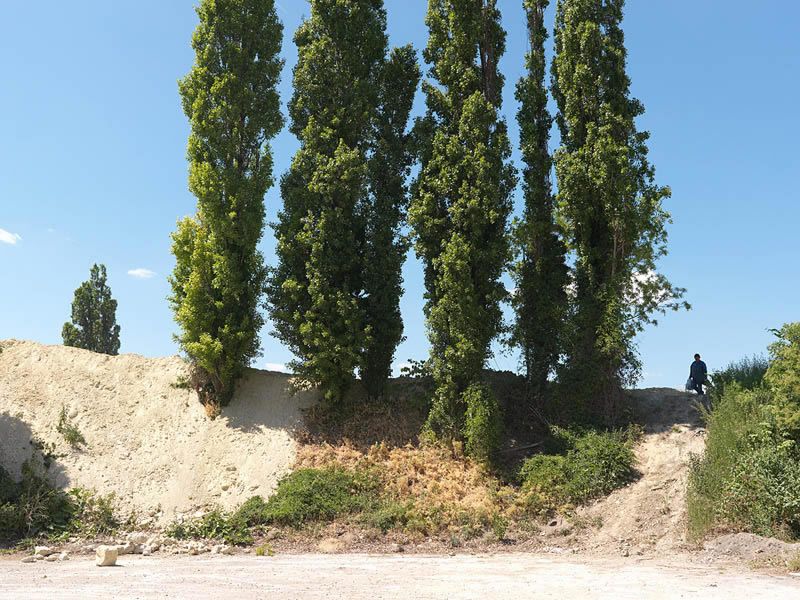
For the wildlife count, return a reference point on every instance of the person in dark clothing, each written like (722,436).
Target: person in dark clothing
(698,374)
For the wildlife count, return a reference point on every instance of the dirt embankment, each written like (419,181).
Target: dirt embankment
(147,441)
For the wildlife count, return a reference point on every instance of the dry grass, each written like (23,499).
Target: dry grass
(448,492)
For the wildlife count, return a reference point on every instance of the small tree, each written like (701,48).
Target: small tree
(231,99)
(94,316)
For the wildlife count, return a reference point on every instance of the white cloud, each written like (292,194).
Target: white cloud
(280,368)
(141,273)
(6,237)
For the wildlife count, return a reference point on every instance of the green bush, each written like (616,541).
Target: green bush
(92,514)
(33,506)
(763,494)
(783,378)
(748,373)
(592,464)
(389,515)
(310,495)
(216,525)
(483,422)
(69,430)
(748,479)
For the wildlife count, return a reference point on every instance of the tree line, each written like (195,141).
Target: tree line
(582,255)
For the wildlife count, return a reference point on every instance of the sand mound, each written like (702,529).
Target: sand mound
(147,441)
(649,516)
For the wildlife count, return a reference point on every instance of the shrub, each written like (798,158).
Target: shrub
(389,515)
(216,525)
(483,422)
(37,507)
(748,373)
(69,430)
(309,495)
(763,492)
(745,453)
(783,378)
(592,464)
(92,514)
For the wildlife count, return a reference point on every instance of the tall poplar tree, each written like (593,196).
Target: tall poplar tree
(231,99)
(609,203)
(94,316)
(334,295)
(460,206)
(540,271)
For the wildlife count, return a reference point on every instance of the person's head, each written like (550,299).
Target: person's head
(697,357)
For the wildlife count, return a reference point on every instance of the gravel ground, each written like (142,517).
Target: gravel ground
(390,577)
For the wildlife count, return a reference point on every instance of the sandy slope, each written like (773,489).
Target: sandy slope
(383,577)
(147,441)
(650,514)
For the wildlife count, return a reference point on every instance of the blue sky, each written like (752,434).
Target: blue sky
(93,169)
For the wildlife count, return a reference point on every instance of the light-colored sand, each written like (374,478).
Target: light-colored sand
(309,577)
(650,514)
(148,442)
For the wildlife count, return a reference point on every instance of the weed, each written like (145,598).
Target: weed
(265,550)
(216,525)
(499,526)
(181,383)
(69,430)
(794,564)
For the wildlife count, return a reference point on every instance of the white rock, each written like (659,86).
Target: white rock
(106,556)
(63,556)
(29,559)
(146,551)
(51,558)
(126,548)
(43,550)
(140,539)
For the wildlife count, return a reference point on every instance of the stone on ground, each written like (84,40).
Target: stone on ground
(106,556)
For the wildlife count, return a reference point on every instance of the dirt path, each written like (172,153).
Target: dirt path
(387,577)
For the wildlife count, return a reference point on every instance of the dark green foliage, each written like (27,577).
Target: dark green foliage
(334,295)
(33,506)
(748,373)
(609,204)
(593,464)
(312,495)
(214,525)
(539,270)
(461,200)
(94,316)
(8,487)
(231,99)
(483,422)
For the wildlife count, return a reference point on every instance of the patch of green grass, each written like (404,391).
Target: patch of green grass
(591,464)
